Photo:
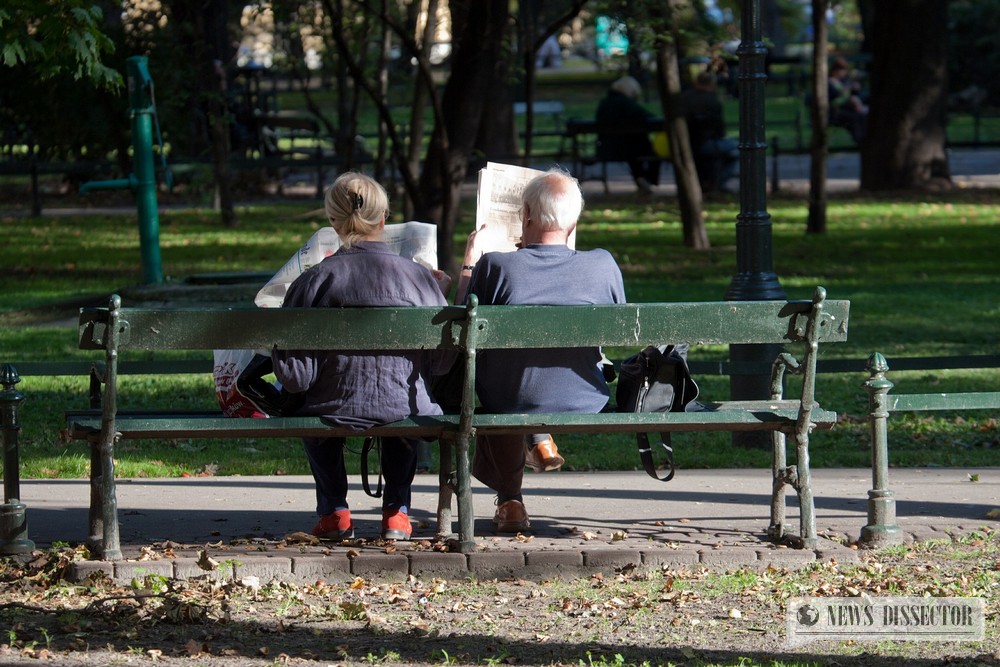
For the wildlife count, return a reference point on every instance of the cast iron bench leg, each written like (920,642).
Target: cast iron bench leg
(466,518)
(110,543)
(446,485)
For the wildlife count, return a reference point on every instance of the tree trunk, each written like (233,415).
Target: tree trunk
(689,195)
(497,139)
(905,143)
(530,40)
(211,34)
(819,145)
(479,35)
(421,94)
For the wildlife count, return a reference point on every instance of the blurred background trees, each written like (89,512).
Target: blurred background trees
(421,92)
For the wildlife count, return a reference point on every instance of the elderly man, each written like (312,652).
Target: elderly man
(545,271)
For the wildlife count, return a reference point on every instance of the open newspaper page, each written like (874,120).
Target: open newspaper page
(498,205)
(414,240)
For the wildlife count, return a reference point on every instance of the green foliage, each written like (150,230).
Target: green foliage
(974,46)
(55,38)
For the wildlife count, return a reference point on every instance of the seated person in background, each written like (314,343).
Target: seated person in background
(543,271)
(549,56)
(622,132)
(715,155)
(847,109)
(361,389)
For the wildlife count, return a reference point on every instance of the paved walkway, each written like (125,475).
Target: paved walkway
(970,168)
(581,523)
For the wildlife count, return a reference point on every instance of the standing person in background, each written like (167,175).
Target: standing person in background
(361,389)
(544,270)
(622,132)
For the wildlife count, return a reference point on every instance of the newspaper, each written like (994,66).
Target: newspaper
(498,205)
(414,240)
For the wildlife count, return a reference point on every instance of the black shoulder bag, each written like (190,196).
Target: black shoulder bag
(657,379)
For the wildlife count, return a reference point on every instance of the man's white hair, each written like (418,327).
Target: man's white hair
(554,200)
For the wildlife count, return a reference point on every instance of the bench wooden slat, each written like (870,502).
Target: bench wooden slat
(169,426)
(650,324)
(961,401)
(724,416)
(411,328)
(734,415)
(363,329)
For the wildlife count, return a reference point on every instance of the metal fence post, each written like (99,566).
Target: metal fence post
(881,529)
(13,519)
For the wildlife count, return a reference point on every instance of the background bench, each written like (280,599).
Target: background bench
(466,331)
(295,136)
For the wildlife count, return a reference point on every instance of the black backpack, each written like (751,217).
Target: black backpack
(657,379)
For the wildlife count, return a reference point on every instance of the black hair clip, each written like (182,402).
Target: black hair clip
(357,201)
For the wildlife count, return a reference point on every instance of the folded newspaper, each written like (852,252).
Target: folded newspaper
(498,205)
(414,240)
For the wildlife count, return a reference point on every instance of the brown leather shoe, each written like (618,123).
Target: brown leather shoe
(543,457)
(511,517)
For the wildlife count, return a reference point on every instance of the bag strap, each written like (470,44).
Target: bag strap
(370,444)
(646,454)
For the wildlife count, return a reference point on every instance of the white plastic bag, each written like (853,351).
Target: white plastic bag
(225,371)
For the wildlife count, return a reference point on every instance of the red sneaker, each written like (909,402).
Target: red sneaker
(395,525)
(335,526)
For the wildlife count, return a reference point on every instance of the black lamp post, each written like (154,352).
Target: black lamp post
(755,278)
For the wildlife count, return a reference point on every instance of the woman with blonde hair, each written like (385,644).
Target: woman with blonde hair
(361,389)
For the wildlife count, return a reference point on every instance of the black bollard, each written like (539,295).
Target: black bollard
(13,520)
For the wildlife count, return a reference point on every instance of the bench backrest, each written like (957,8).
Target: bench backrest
(409,328)
(467,329)
(362,329)
(641,324)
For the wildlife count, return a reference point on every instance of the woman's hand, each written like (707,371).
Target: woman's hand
(443,281)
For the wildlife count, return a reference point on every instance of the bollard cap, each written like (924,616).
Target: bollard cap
(9,377)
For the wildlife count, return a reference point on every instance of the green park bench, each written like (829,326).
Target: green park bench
(467,330)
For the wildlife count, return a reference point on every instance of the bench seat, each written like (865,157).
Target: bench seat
(728,415)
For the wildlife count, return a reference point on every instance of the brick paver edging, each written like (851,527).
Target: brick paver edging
(529,565)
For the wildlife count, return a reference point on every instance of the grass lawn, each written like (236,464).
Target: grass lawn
(920,271)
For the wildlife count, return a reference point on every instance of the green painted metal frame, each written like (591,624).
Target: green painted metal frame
(881,529)
(466,330)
